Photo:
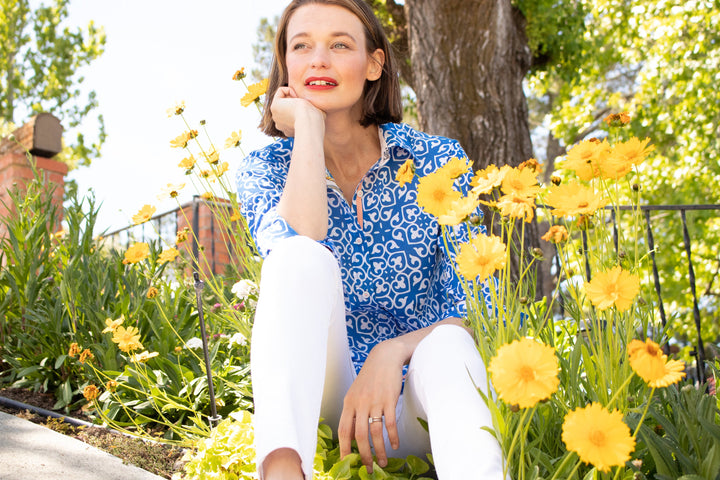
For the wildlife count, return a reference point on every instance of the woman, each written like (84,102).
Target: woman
(357,284)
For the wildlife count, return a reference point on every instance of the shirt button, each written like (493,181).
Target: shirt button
(365,295)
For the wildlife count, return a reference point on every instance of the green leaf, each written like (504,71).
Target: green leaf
(417,466)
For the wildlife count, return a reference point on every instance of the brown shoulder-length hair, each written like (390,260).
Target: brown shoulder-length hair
(381,102)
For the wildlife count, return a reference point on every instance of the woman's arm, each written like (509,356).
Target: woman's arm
(303,203)
(375,393)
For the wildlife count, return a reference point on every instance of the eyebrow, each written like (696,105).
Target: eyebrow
(332,34)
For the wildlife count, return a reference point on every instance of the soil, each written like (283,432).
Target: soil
(162,460)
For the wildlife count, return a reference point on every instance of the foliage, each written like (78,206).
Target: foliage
(40,69)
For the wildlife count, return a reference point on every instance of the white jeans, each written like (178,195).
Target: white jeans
(301,370)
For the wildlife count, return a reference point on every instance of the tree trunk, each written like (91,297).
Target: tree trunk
(469,58)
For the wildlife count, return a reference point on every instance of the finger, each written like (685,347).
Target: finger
(346,428)
(391,427)
(376,430)
(363,441)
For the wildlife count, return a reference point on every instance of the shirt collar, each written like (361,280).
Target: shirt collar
(393,135)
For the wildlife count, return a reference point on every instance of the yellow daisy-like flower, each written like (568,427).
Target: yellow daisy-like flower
(516,206)
(137,253)
(213,157)
(617,119)
(127,339)
(556,234)
(614,168)
(615,287)
(234,139)
(491,177)
(406,172)
(74,350)
(585,158)
(144,214)
(650,363)
(112,325)
(521,183)
(152,292)
(532,164)
(525,372)
(599,437)
(178,109)
(221,169)
(143,356)
(459,210)
(254,92)
(207,196)
(571,199)
(456,167)
(239,74)
(235,216)
(171,190)
(187,163)
(168,255)
(85,356)
(182,235)
(435,193)
(111,385)
(181,141)
(90,393)
(633,151)
(480,257)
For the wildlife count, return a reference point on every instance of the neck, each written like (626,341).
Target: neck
(350,148)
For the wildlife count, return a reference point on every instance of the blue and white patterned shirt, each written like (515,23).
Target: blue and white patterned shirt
(397,272)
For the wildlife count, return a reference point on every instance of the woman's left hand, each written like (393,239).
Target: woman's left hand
(373,394)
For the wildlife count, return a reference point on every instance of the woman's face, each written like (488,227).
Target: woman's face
(327,59)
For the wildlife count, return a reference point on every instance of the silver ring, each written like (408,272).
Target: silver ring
(375,419)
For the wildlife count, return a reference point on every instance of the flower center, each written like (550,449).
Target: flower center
(652,350)
(526,373)
(597,438)
(583,205)
(439,195)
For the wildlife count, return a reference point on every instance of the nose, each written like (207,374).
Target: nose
(320,58)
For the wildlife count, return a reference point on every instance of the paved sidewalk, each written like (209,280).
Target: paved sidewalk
(32,452)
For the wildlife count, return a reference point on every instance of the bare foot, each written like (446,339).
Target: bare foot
(282,464)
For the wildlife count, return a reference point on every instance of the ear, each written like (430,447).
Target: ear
(375,66)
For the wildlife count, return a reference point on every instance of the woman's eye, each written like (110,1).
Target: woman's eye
(340,45)
(299,46)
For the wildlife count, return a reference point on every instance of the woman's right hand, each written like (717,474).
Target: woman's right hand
(287,108)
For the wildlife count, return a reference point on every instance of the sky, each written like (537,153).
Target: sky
(160,52)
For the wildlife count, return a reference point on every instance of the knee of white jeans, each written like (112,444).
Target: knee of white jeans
(445,353)
(301,259)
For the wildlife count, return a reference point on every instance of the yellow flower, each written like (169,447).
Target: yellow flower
(74,350)
(152,292)
(127,338)
(171,190)
(570,199)
(456,167)
(532,164)
(254,92)
(187,163)
(182,235)
(143,357)
(168,255)
(144,214)
(521,183)
(112,325)
(480,257)
(111,385)
(525,372)
(633,151)
(585,158)
(406,172)
(235,216)
(137,253)
(213,157)
(178,109)
(651,364)
(90,393)
(221,169)
(556,234)
(234,139)
(435,193)
(617,119)
(207,196)
(485,180)
(181,141)
(615,287)
(516,206)
(239,75)
(599,437)
(459,210)
(614,168)
(86,355)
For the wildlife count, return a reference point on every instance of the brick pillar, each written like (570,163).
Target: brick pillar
(41,137)
(212,238)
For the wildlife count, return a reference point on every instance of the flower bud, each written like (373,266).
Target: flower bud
(635,187)
(523,300)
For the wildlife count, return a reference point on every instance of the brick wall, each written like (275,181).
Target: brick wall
(212,237)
